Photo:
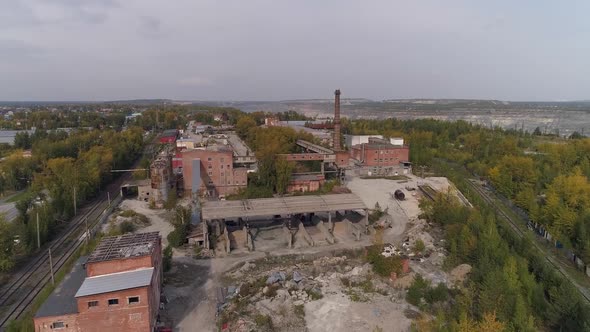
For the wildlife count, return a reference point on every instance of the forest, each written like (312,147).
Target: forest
(60,165)
(547,176)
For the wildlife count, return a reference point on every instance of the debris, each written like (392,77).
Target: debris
(276,277)
(297,276)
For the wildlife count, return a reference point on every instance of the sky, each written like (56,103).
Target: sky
(100,50)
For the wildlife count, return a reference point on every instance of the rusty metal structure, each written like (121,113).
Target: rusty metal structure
(337,145)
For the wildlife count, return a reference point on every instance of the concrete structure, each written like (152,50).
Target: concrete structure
(379,156)
(217,172)
(228,218)
(305,182)
(117,289)
(352,140)
(162,179)
(399,141)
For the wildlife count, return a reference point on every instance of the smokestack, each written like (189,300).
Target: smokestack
(337,146)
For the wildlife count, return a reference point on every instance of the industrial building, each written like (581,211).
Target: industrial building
(381,156)
(168,137)
(116,288)
(319,218)
(212,172)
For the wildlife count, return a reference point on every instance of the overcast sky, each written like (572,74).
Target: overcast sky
(275,50)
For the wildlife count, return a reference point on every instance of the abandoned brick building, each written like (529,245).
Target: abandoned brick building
(116,288)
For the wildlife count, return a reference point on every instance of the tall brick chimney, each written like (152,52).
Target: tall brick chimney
(337,146)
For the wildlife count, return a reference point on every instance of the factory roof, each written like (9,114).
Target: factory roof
(169,133)
(113,282)
(284,205)
(62,300)
(125,246)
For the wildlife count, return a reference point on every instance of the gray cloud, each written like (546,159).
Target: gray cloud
(268,49)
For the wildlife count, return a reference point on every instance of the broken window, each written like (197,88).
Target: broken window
(58,325)
(92,304)
(113,301)
(133,300)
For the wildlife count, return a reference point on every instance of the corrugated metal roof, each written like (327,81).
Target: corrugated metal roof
(116,281)
(284,205)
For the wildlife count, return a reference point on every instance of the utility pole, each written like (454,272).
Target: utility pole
(38,236)
(51,268)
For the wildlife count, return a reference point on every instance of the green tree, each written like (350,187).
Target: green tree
(7,234)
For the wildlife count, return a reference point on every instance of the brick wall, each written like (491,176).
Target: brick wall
(217,171)
(44,324)
(380,157)
(121,317)
(117,265)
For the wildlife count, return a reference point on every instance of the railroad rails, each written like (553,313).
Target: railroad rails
(428,191)
(17,295)
(583,291)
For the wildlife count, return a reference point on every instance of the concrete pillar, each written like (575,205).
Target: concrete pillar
(217,228)
(205,234)
(322,163)
(306,235)
(227,241)
(249,241)
(366,220)
(289,236)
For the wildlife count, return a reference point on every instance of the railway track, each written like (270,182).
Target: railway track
(582,290)
(20,292)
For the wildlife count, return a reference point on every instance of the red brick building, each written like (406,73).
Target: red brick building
(380,156)
(168,136)
(218,176)
(116,289)
(303,183)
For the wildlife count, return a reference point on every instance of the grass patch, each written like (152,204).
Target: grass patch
(355,296)
(17,197)
(299,310)
(264,322)
(128,213)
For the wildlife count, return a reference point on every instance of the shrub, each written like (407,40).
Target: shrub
(264,322)
(299,310)
(314,295)
(126,227)
(383,266)
(167,258)
(417,290)
(419,246)
(128,213)
(177,236)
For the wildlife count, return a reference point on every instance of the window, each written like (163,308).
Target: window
(209,166)
(221,166)
(133,300)
(58,325)
(221,160)
(209,159)
(113,301)
(210,173)
(92,304)
(227,166)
